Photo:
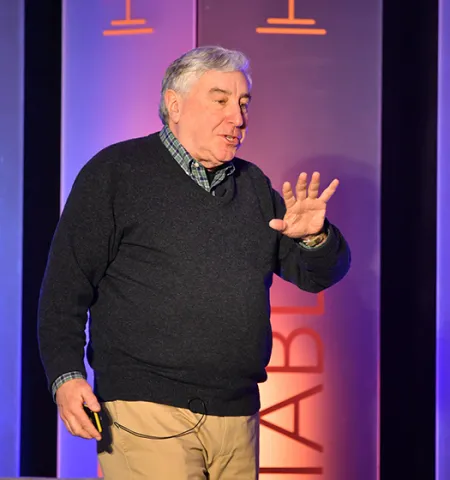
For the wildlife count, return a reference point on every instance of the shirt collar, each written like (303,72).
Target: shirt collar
(181,155)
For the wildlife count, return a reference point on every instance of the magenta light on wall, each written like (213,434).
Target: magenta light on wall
(114,56)
(11,193)
(443,252)
(316,106)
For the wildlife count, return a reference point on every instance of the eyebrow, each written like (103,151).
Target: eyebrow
(227,92)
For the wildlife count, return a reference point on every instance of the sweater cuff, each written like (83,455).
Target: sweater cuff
(322,250)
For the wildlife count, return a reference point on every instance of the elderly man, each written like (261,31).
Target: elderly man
(170,243)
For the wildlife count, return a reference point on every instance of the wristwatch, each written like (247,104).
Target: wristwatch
(312,241)
(318,238)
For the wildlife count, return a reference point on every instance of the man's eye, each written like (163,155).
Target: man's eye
(221,102)
(244,106)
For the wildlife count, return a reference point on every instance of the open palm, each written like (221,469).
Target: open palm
(305,214)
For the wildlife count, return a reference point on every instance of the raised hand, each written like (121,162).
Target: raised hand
(305,215)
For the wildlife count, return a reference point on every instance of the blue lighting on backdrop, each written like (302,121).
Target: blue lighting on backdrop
(11,190)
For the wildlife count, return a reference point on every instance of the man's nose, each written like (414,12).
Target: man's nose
(237,117)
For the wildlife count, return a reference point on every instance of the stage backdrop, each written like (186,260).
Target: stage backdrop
(115,53)
(11,192)
(317,69)
(443,253)
(317,83)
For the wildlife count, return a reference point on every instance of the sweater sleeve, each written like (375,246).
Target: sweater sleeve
(315,269)
(79,255)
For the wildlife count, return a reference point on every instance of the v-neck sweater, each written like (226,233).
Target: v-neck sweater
(176,281)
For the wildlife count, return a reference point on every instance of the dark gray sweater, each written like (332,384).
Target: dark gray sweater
(176,280)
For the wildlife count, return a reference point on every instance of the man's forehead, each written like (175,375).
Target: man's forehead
(224,82)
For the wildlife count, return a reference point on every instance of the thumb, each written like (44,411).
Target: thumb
(91,400)
(279,225)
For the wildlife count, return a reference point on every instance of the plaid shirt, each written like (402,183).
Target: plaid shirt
(198,173)
(65,378)
(190,166)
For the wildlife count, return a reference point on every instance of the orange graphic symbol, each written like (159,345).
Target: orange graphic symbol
(286,344)
(291,22)
(295,432)
(318,309)
(128,24)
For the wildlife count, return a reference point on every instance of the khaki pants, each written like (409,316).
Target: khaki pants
(220,448)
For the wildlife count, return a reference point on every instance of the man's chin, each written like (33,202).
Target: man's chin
(219,158)
(227,156)
(225,160)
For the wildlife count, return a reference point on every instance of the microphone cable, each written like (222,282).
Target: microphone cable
(153,437)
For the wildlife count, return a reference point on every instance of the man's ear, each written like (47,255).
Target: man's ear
(173,104)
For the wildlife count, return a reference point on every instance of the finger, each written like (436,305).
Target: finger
(87,425)
(301,186)
(81,424)
(80,432)
(74,428)
(82,427)
(313,189)
(288,195)
(68,427)
(91,401)
(277,224)
(330,190)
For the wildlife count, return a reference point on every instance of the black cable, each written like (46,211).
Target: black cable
(152,437)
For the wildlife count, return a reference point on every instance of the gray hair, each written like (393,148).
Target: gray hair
(193,64)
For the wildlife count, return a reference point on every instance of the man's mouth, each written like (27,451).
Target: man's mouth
(232,140)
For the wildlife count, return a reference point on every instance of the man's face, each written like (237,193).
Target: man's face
(211,119)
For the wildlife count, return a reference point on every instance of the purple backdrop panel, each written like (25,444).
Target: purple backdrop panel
(115,53)
(11,192)
(316,106)
(443,254)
